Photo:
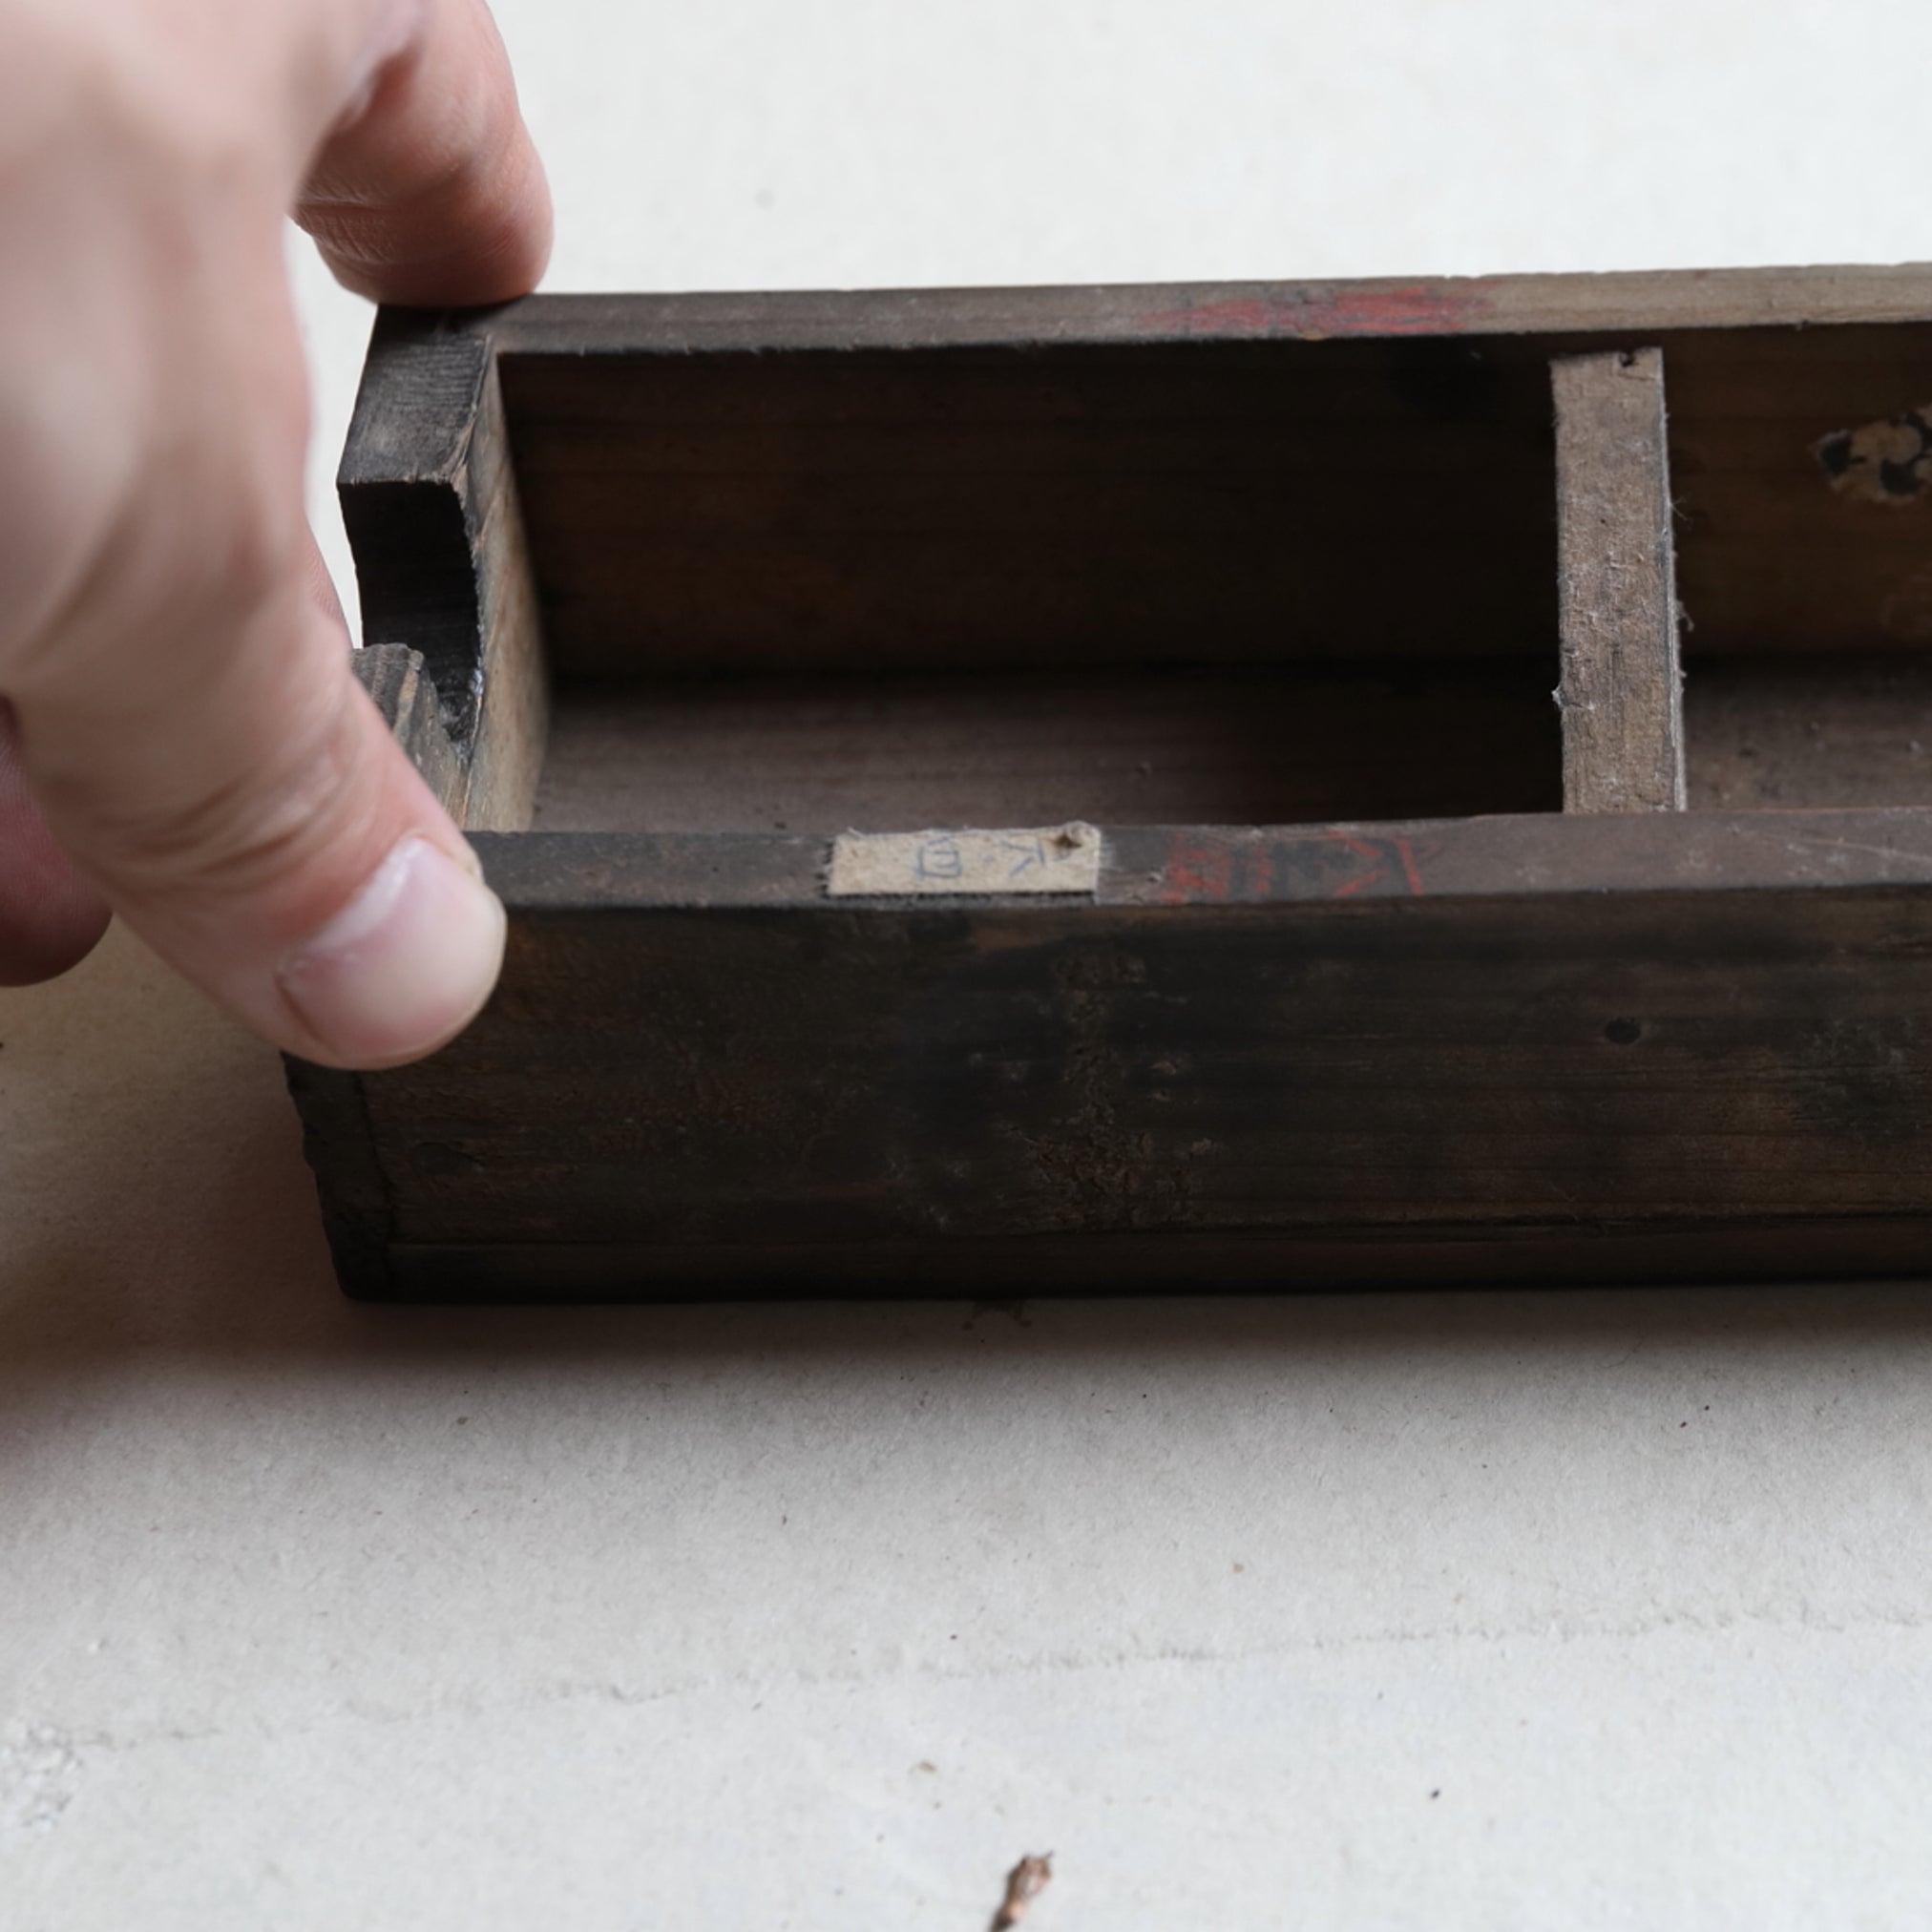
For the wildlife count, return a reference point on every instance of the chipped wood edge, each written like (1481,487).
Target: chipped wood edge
(395,678)
(430,499)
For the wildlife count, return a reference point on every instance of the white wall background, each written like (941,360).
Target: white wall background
(1458,1611)
(887,143)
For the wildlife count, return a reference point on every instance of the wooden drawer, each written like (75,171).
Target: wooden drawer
(1061,789)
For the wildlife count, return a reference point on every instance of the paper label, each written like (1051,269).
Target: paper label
(1059,858)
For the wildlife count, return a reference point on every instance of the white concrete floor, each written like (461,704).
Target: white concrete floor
(1459,1611)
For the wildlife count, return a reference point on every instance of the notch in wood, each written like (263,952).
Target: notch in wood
(1622,690)
(395,676)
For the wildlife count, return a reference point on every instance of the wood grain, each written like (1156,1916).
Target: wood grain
(1069,506)
(394,676)
(664,442)
(512,701)
(894,752)
(1208,500)
(1777,732)
(1372,309)
(430,499)
(1415,1070)
(1288,747)
(1274,563)
(1344,1052)
(1621,689)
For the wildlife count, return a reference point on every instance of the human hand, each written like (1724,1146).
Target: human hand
(182,738)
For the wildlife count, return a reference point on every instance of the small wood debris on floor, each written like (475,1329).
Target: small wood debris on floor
(1025,1883)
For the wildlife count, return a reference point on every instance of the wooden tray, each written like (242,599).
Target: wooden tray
(1268,924)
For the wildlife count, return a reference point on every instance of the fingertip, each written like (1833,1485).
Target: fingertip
(403,967)
(493,248)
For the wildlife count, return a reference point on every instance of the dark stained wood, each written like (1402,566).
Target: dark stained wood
(1766,369)
(400,487)
(1621,689)
(1324,1068)
(507,757)
(1541,856)
(1276,564)
(394,676)
(338,1144)
(1384,309)
(981,747)
(1217,503)
(1208,500)
(1207,747)
(429,501)
(1781,733)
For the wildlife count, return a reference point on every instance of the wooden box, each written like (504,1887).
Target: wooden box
(1319,875)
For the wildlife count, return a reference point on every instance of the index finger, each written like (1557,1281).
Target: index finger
(428,190)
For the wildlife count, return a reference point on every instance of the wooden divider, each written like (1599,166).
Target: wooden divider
(1621,689)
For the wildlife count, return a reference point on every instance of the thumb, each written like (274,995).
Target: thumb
(188,723)
(258,825)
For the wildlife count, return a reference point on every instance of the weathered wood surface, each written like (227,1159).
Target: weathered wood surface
(338,1141)
(396,679)
(430,503)
(513,680)
(1300,312)
(1212,500)
(1778,733)
(1078,507)
(1382,1045)
(1293,745)
(1261,1045)
(401,487)
(1416,414)
(1620,692)
(1266,745)
(1540,857)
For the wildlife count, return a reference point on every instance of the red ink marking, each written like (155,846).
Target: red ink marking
(1323,310)
(1378,865)
(1411,871)
(1195,871)
(1254,315)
